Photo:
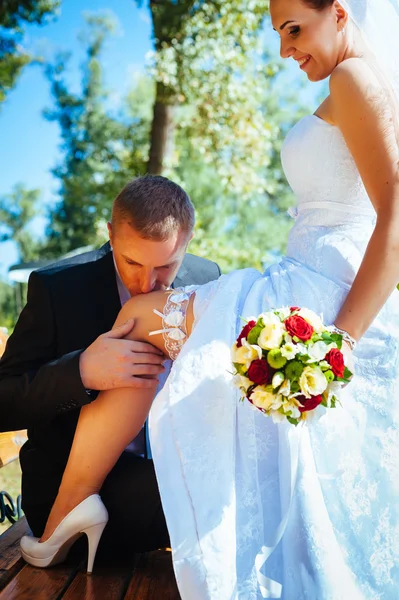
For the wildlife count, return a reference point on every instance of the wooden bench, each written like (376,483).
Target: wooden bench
(143,577)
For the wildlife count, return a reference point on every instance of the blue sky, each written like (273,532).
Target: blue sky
(29,147)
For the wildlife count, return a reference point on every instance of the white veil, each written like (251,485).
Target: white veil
(378,22)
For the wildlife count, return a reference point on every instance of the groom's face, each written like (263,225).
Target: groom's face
(146,265)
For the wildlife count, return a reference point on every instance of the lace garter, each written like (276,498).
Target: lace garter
(174,321)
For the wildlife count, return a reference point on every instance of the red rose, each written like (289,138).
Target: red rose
(259,372)
(244,333)
(309,403)
(336,359)
(294,308)
(299,327)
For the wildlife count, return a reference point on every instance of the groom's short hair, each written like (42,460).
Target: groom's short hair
(155,207)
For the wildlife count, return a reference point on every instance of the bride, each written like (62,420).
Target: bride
(256,509)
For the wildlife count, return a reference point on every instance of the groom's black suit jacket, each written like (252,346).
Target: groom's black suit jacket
(70,303)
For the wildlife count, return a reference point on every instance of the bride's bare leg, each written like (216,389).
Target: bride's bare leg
(108,425)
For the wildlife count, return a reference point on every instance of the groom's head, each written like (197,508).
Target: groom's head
(151,226)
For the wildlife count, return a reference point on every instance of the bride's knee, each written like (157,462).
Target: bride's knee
(148,312)
(141,309)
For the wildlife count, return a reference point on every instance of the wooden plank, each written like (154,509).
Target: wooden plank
(105,583)
(153,578)
(10,555)
(10,444)
(32,583)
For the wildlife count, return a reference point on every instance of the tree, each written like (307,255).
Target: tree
(196,41)
(8,307)
(17,210)
(13,14)
(229,163)
(98,149)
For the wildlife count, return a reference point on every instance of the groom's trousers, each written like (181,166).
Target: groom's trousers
(136,520)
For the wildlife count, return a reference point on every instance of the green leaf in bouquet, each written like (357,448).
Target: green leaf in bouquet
(292,421)
(316,337)
(255,332)
(347,373)
(296,339)
(334,401)
(240,368)
(326,336)
(329,375)
(337,338)
(304,358)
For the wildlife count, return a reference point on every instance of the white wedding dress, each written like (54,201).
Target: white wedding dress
(233,482)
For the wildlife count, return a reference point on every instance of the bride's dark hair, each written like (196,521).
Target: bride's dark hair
(318,4)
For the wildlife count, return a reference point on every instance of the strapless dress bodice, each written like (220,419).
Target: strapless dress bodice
(334,217)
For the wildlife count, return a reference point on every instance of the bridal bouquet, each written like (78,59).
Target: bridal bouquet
(289,365)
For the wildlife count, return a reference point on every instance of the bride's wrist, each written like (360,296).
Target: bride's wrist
(346,337)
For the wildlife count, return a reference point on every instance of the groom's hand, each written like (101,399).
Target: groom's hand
(112,362)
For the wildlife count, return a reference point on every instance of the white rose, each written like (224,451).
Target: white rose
(291,407)
(312,382)
(242,382)
(272,334)
(246,354)
(312,318)
(263,399)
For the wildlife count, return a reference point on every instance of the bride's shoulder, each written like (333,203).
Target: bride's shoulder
(353,74)
(354,84)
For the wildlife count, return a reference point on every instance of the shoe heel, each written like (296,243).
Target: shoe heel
(94,534)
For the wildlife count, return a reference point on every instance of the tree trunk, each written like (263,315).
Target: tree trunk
(162,131)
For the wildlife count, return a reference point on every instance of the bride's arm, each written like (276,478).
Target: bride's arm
(368,122)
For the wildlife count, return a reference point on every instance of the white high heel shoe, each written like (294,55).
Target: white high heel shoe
(89,517)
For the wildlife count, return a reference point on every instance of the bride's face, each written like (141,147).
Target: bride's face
(312,37)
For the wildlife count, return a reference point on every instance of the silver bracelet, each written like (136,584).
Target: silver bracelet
(346,337)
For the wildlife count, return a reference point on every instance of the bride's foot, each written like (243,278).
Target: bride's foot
(89,517)
(65,502)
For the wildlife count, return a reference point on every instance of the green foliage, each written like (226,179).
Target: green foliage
(235,182)
(98,149)
(17,210)
(13,14)
(8,308)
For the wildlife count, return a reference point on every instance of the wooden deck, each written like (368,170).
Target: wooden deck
(146,577)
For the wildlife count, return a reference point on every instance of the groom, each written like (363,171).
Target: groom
(59,358)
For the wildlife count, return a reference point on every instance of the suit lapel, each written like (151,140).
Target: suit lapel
(179,281)
(105,290)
